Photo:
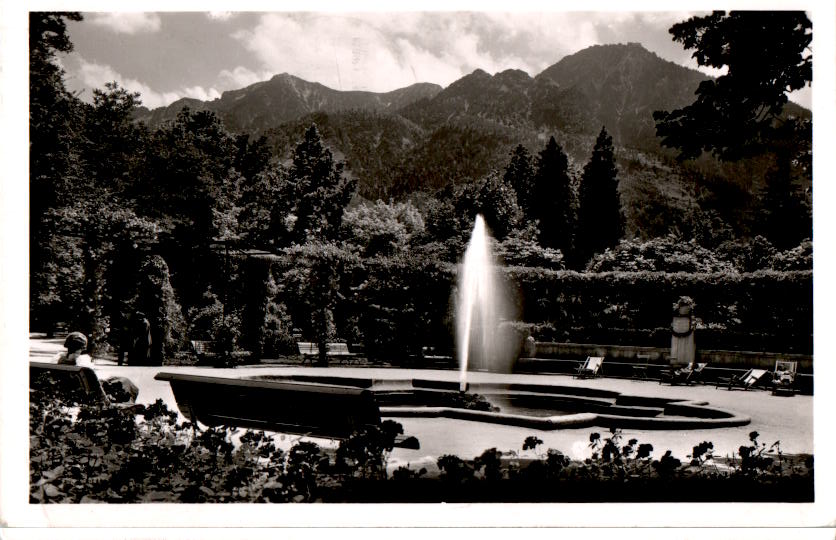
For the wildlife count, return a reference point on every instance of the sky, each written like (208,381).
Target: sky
(169,55)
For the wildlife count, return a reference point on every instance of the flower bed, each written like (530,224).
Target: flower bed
(83,453)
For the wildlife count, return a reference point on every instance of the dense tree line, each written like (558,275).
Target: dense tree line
(176,222)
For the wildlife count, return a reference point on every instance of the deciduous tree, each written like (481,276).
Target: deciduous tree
(495,199)
(742,113)
(765,54)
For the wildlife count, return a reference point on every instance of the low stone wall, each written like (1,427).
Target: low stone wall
(752,359)
(657,355)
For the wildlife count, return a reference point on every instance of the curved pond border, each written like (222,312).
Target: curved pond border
(628,410)
(579,420)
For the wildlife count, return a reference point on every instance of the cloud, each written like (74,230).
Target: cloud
(803,97)
(241,77)
(84,76)
(378,52)
(221,15)
(127,23)
(381,51)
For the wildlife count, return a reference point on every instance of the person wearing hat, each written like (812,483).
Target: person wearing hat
(76,344)
(117,389)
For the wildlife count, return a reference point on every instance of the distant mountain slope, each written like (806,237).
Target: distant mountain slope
(502,98)
(617,86)
(372,144)
(284,98)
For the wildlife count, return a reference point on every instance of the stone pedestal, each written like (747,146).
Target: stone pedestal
(530,347)
(683,348)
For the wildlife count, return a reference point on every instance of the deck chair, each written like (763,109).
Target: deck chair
(690,374)
(783,377)
(696,373)
(590,367)
(745,381)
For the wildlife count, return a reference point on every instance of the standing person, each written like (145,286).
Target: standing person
(140,352)
(138,337)
(76,344)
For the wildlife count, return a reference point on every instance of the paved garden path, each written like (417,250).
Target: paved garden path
(788,419)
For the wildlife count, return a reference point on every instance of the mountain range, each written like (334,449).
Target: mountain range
(425,137)
(617,86)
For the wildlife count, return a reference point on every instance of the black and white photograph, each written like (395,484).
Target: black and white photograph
(380,264)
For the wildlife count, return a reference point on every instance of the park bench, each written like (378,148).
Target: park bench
(204,350)
(68,378)
(207,353)
(82,382)
(340,351)
(302,408)
(310,351)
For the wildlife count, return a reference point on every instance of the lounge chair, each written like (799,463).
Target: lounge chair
(590,367)
(689,374)
(745,381)
(783,378)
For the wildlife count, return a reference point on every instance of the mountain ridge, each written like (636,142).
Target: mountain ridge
(285,97)
(424,137)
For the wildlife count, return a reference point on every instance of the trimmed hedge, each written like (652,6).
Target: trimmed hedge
(397,304)
(764,310)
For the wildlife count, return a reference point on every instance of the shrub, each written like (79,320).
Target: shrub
(381,228)
(157,300)
(275,332)
(665,254)
(797,258)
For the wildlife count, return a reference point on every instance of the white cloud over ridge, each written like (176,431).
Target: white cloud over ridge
(85,76)
(382,51)
(239,77)
(127,22)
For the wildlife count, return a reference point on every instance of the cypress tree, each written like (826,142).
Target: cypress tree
(552,198)
(600,222)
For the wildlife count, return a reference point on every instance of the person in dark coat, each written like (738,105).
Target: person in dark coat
(139,342)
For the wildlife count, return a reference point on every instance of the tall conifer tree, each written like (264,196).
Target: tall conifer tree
(322,189)
(600,221)
(519,174)
(552,198)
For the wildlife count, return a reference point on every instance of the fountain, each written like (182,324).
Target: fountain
(481,304)
(335,405)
